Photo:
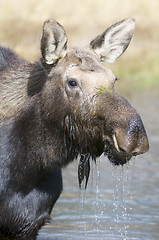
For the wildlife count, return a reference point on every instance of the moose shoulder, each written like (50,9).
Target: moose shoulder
(52,111)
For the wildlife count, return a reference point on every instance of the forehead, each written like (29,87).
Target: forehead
(86,58)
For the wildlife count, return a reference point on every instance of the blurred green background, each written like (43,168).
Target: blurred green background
(138,69)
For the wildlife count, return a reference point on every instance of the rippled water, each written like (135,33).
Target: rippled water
(120,202)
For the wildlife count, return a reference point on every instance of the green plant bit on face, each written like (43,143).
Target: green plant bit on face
(102,89)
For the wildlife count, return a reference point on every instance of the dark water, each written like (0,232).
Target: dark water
(120,202)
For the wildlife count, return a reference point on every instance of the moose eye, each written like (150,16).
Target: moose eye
(72,82)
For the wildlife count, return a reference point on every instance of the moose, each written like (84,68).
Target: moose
(54,110)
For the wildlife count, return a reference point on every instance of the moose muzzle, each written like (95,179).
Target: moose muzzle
(124,134)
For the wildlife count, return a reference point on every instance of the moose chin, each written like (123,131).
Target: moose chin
(51,111)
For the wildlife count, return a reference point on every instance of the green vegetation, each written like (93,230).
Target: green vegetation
(102,89)
(138,68)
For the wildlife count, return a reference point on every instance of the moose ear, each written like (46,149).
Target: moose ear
(112,43)
(53,42)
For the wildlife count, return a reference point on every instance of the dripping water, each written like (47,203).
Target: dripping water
(122,199)
(91,194)
(118,208)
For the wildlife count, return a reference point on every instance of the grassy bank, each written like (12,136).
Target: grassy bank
(21,22)
(137,75)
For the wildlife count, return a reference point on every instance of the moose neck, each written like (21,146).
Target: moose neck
(31,138)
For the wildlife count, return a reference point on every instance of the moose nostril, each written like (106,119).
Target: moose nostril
(131,139)
(121,149)
(117,145)
(125,143)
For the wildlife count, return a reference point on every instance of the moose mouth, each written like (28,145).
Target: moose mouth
(115,156)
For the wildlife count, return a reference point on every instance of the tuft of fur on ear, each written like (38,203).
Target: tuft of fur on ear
(53,42)
(112,43)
